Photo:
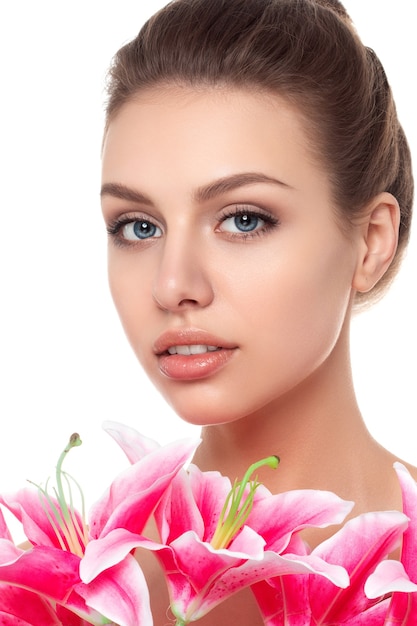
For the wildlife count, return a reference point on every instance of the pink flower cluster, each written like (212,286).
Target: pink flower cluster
(214,539)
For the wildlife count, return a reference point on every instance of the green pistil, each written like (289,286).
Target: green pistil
(71,534)
(238,505)
(74,441)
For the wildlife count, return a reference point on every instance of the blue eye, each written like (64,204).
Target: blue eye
(243,223)
(140,229)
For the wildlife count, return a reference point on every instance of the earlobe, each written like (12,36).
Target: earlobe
(379,240)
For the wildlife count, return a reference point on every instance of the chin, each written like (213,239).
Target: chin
(203,418)
(206,415)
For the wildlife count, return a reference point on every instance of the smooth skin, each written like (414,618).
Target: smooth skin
(223,231)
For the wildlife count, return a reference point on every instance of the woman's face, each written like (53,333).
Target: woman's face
(227,266)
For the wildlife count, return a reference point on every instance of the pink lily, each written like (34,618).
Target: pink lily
(19,604)
(16,602)
(205,557)
(36,581)
(400,577)
(358,546)
(59,535)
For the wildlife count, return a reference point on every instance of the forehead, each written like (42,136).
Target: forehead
(206,133)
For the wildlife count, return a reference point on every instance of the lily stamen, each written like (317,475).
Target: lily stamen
(237,507)
(70,531)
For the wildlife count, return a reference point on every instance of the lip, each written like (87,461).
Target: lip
(194,366)
(188,337)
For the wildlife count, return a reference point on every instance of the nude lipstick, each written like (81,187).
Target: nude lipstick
(191,354)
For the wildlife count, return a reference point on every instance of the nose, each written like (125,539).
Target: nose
(182,278)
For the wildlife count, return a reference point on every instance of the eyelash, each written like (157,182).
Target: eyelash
(115,226)
(269,220)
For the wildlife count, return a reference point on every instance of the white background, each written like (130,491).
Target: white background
(65,364)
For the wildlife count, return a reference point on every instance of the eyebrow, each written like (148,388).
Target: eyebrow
(201,194)
(116,190)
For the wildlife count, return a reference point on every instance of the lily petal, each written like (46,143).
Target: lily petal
(178,509)
(359,545)
(388,576)
(133,495)
(374,616)
(9,553)
(103,553)
(4,530)
(277,517)
(33,571)
(19,606)
(209,490)
(403,605)
(26,506)
(121,594)
(249,572)
(409,495)
(285,603)
(48,574)
(134,444)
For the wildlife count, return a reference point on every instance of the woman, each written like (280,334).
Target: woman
(256,188)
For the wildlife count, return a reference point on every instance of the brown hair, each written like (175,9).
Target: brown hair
(308,52)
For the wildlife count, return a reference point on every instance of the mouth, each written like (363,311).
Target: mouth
(191,354)
(187,350)
(189,341)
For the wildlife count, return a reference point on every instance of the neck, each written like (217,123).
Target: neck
(318,433)
(316,429)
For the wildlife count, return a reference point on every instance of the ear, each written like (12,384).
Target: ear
(379,228)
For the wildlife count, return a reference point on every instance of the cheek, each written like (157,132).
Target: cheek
(321,307)
(300,306)
(130,293)
(119,285)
